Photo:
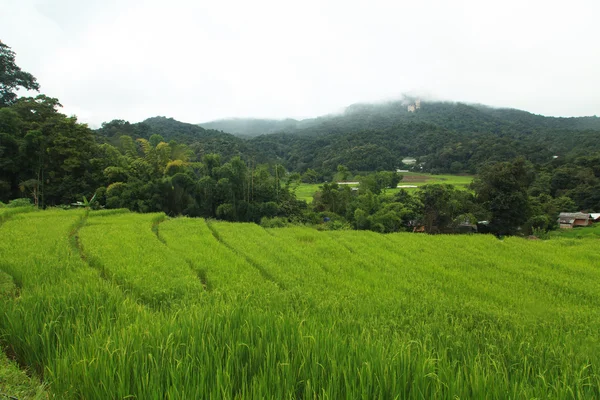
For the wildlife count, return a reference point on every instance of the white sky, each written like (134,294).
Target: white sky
(201,60)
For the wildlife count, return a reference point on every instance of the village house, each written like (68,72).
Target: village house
(571,220)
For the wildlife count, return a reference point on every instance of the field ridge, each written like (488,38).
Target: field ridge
(263,272)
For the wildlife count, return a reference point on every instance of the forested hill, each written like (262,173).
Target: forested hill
(445,137)
(453,116)
(201,141)
(525,119)
(251,126)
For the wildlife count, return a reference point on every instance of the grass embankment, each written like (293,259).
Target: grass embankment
(247,312)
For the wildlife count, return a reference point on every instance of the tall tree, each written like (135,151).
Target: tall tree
(12,77)
(502,189)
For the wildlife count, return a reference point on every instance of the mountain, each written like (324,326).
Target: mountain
(446,137)
(363,116)
(252,127)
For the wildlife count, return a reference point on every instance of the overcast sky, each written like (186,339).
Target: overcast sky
(197,60)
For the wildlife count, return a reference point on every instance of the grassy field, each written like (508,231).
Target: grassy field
(306,190)
(420,179)
(114,304)
(578,233)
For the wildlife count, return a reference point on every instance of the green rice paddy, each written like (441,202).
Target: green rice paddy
(119,305)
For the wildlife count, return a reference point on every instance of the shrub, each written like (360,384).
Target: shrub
(23,202)
(277,222)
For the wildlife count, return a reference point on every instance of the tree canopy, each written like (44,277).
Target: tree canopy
(12,77)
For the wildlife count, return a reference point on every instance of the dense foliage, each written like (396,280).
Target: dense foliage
(44,154)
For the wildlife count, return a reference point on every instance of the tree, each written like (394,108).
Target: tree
(12,77)
(440,206)
(502,189)
(342,173)
(155,139)
(310,176)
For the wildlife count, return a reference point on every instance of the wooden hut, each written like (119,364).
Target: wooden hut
(571,220)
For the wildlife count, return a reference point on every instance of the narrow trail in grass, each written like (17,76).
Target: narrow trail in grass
(155,223)
(74,235)
(200,272)
(263,272)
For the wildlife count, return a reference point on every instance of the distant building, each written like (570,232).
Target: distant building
(414,106)
(595,217)
(571,220)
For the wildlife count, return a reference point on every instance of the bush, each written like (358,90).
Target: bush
(277,222)
(540,233)
(23,202)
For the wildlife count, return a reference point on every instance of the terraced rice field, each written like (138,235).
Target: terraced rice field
(114,304)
